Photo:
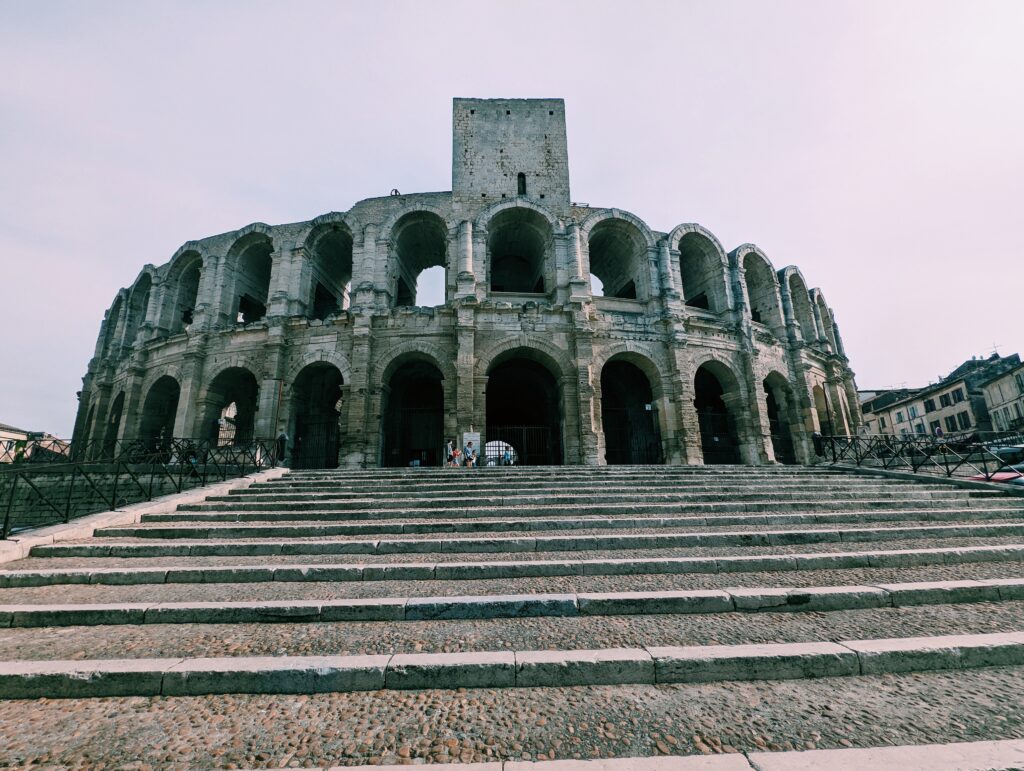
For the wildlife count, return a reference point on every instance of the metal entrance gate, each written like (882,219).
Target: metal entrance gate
(531,445)
(414,435)
(631,436)
(717,437)
(316,445)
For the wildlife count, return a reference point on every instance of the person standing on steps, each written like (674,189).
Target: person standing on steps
(470,455)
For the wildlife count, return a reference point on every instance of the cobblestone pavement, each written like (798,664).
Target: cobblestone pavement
(349,638)
(527,724)
(45,563)
(287,590)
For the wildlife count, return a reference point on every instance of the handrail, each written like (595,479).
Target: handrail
(35,492)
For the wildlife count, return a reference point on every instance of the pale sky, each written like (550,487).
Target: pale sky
(878,145)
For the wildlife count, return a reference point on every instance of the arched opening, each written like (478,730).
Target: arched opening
(629,417)
(252,278)
(138,305)
(718,438)
(113,426)
(110,327)
(420,244)
(823,411)
(521,183)
(763,292)
(330,279)
(316,406)
(87,429)
(802,308)
(524,411)
(519,244)
(231,401)
(183,311)
(156,426)
(617,256)
(413,415)
(702,274)
(826,322)
(779,405)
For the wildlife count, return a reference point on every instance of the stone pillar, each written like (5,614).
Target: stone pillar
(579,283)
(355,447)
(214,302)
(364,257)
(688,438)
(465,410)
(588,406)
(833,388)
(668,280)
(466,280)
(840,348)
(480,258)
(187,420)
(270,419)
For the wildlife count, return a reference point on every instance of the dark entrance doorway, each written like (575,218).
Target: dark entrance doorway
(316,402)
(718,438)
(158,411)
(777,397)
(230,414)
(413,413)
(628,415)
(523,410)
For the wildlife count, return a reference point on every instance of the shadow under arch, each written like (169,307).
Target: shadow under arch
(316,407)
(719,438)
(629,417)
(524,406)
(412,412)
(783,418)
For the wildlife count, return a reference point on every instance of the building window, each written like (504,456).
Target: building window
(899,417)
(964,419)
(929,405)
(881,421)
(945,401)
(958,396)
(935,426)
(913,412)
(951,423)
(1017,409)
(919,428)
(521,183)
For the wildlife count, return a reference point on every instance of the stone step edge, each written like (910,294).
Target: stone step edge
(999,755)
(501,606)
(963,756)
(504,669)
(158,529)
(525,544)
(459,571)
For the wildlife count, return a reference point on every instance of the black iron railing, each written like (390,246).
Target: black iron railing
(961,456)
(35,492)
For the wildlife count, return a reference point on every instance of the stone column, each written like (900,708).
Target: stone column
(819,326)
(466,279)
(688,437)
(355,447)
(751,443)
(579,283)
(465,410)
(587,404)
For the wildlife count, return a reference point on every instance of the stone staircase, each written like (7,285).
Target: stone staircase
(521,613)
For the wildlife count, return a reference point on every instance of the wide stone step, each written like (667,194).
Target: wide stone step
(370,510)
(531,497)
(470,485)
(505,669)
(500,606)
(299,529)
(528,544)
(477,571)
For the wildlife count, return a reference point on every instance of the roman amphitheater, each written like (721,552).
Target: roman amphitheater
(573,333)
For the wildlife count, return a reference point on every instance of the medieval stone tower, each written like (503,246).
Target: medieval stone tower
(570,334)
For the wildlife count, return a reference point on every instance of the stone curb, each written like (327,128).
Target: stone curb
(229,548)
(959,756)
(20,546)
(501,669)
(258,529)
(496,606)
(456,571)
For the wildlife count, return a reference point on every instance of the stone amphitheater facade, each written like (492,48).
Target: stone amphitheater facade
(689,354)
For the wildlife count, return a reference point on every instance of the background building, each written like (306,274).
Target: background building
(686,353)
(1004,398)
(957,403)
